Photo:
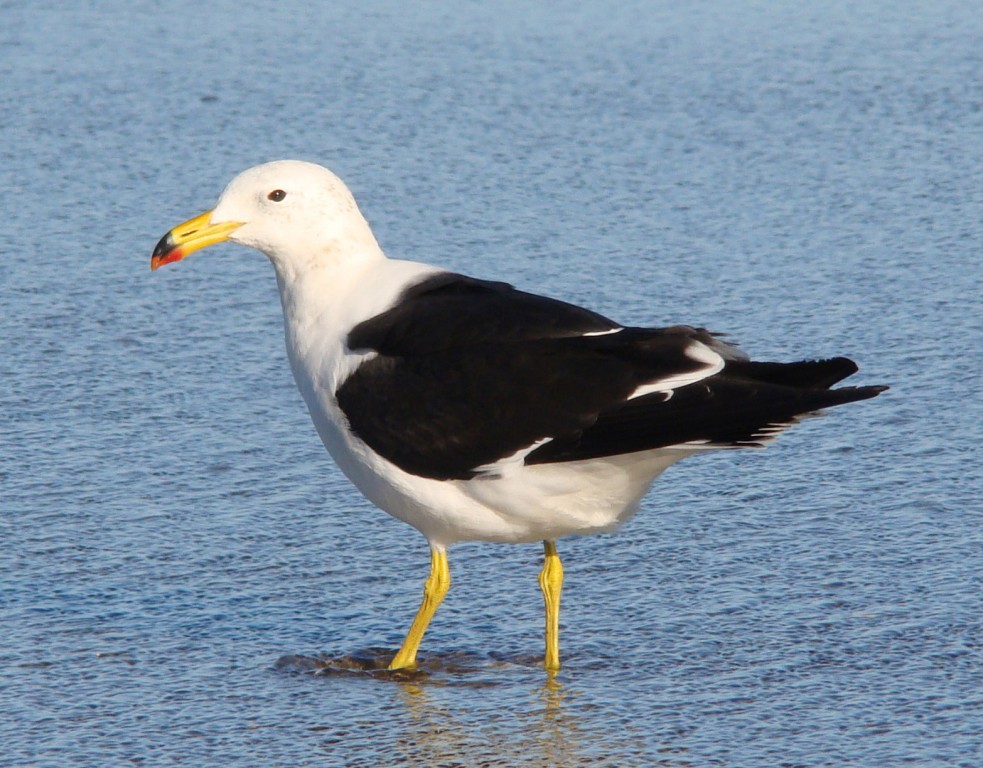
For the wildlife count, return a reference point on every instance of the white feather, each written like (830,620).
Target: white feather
(712,363)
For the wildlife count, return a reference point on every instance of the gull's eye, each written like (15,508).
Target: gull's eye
(276,195)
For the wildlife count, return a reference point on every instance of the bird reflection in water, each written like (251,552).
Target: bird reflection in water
(542,731)
(460,709)
(543,734)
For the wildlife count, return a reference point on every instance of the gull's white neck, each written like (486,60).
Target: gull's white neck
(325,296)
(320,296)
(323,280)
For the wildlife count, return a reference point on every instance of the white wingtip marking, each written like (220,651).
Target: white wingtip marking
(507,463)
(712,363)
(703,354)
(604,333)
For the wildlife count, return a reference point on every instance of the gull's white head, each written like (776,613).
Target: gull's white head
(297,213)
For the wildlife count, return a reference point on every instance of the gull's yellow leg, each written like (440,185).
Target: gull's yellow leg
(434,590)
(551,582)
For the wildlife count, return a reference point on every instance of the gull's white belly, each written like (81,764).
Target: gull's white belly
(528,503)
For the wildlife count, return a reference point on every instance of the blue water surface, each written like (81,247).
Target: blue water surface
(175,544)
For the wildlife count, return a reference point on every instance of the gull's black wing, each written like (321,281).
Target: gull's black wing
(467,373)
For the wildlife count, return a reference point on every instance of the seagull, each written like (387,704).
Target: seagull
(475,411)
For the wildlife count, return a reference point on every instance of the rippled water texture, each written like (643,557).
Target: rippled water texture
(186,579)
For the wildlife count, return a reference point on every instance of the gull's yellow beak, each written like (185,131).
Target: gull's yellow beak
(193,235)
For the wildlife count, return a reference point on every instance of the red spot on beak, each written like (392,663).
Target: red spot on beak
(165,252)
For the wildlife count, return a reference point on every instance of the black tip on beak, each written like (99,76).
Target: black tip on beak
(164,246)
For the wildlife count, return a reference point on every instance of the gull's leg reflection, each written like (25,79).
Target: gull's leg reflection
(490,729)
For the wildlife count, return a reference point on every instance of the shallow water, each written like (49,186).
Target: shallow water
(186,579)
